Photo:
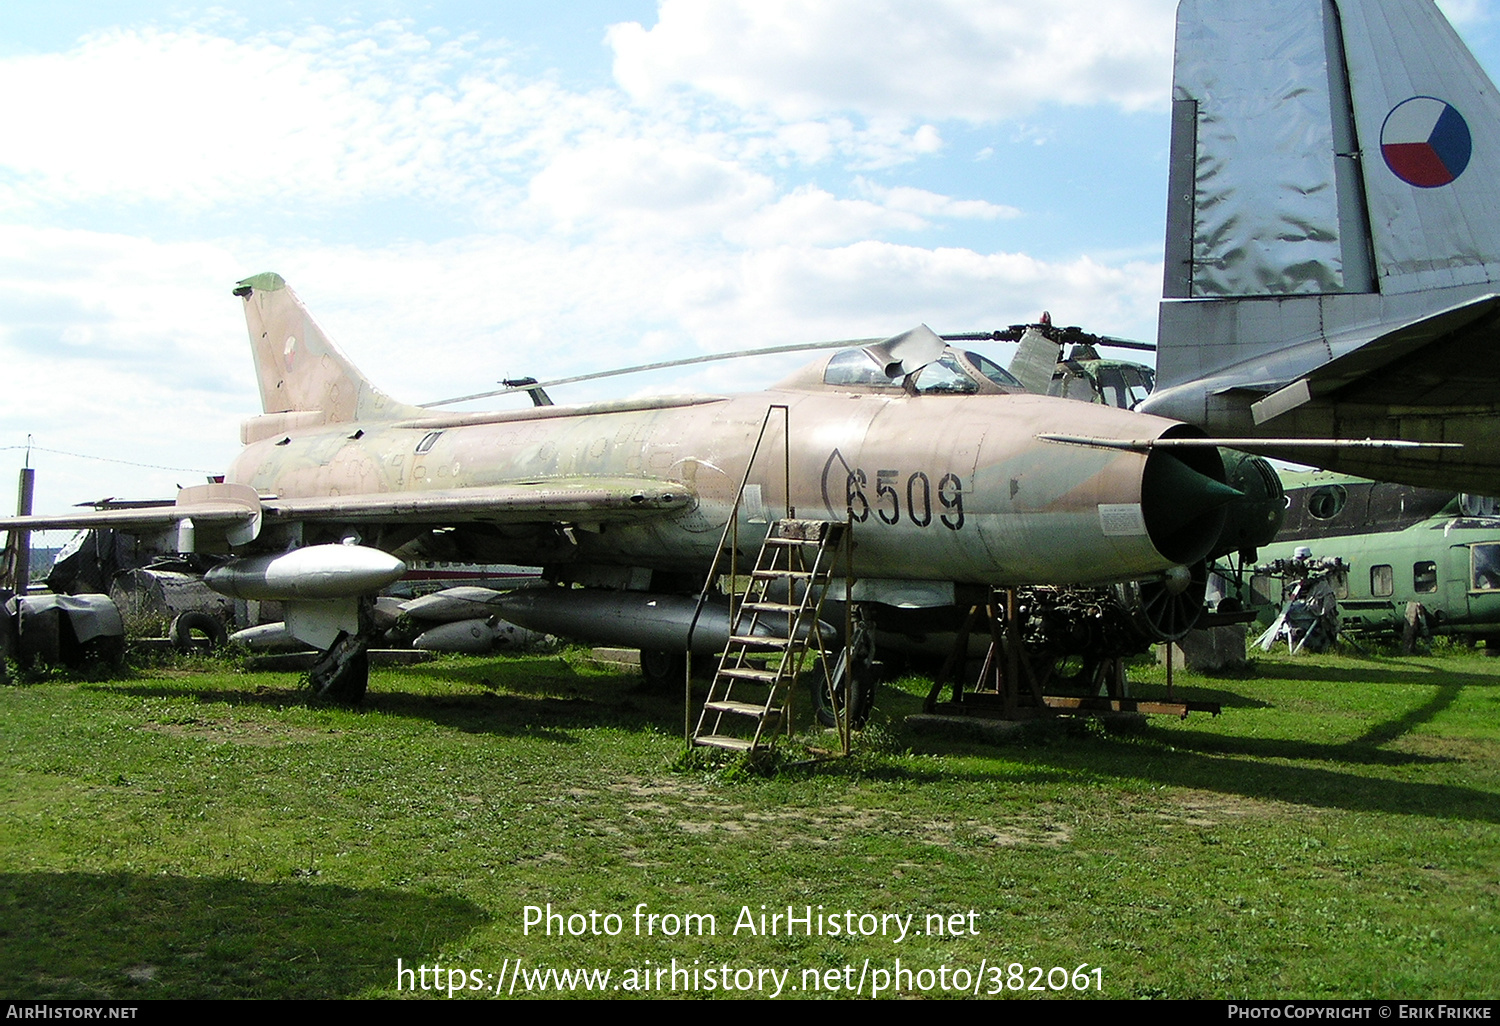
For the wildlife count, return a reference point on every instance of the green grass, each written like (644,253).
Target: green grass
(205,833)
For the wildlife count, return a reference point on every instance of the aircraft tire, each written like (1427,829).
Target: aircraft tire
(865,688)
(184,624)
(865,682)
(662,670)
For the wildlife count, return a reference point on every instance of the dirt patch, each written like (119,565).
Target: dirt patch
(694,808)
(1207,809)
(833,825)
(238,732)
(1007,834)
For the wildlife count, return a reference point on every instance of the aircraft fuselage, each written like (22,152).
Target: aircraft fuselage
(954,488)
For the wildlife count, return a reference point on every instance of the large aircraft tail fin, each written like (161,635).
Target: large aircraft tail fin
(302,374)
(1331,178)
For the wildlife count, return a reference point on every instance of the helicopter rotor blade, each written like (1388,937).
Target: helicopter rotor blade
(798,347)
(1011,334)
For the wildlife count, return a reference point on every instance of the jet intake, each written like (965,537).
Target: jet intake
(1184,501)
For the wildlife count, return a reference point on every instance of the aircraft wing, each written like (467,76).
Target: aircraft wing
(148,518)
(238,509)
(228,507)
(594,499)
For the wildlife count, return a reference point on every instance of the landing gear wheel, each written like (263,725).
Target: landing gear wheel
(663,670)
(1166,609)
(342,674)
(855,675)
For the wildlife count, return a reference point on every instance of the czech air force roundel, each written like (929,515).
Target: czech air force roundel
(1426,142)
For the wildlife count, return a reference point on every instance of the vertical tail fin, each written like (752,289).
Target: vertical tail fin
(1331,177)
(299,369)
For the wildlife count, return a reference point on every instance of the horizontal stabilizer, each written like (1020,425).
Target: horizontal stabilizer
(1432,361)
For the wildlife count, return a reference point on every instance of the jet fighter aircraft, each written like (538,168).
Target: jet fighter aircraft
(949,472)
(1333,240)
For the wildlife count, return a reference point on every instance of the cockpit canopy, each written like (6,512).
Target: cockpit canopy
(956,372)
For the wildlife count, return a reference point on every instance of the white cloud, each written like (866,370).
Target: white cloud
(978,60)
(197,121)
(122,348)
(1466,13)
(878,285)
(932,204)
(811,216)
(584,232)
(677,188)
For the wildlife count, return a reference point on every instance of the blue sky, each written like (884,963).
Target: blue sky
(463,192)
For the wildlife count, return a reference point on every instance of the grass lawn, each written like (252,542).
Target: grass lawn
(203,832)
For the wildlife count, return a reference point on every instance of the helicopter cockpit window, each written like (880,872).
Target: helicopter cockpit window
(1112,386)
(1486,567)
(855,367)
(1138,382)
(946,377)
(1071,384)
(992,370)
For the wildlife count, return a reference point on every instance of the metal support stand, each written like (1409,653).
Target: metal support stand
(1013,681)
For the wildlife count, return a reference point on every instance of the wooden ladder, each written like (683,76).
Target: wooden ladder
(780,614)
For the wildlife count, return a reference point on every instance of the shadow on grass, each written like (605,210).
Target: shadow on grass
(1242,765)
(1160,759)
(1365,749)
(1298,785)
(1355,670)
(125,936)
(483,699)
(493,713)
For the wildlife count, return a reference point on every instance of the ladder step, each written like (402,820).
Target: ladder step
(762,641)
(817,530)
(770,607)
(793,541)
(745,673)
(734,744)
(781,574)
(743,709)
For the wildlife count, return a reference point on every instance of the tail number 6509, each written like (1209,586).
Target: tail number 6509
(890,501)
